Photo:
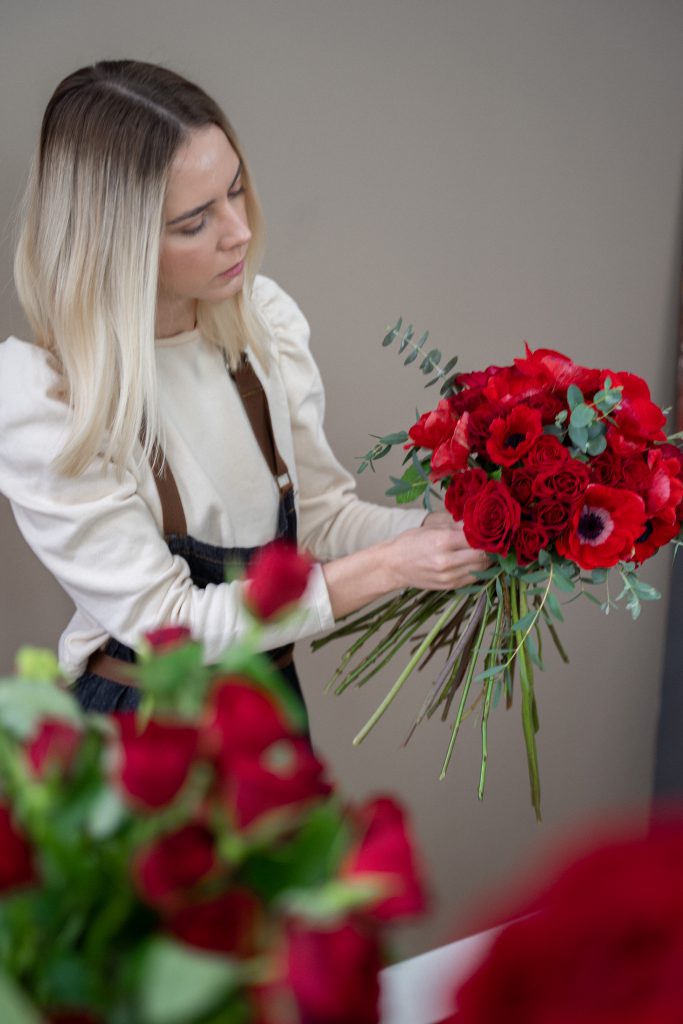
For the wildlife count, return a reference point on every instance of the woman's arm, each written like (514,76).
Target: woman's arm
(433,557)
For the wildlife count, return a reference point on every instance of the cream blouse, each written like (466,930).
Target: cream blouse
(101,537)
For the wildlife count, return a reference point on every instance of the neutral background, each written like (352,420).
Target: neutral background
(495,171)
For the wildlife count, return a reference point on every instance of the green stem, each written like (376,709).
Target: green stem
(490,660)
(526,676)
(372,721)
(465,689)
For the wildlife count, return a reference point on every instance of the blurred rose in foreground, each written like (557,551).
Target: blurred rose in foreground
(275,579)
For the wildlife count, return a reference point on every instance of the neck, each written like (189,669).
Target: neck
(174,317)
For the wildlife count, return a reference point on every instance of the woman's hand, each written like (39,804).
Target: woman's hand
(435,556)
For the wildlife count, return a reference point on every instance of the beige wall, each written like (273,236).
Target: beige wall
(495,171)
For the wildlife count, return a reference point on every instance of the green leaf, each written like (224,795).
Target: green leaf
(37,663)
(646,592)
(597,445)
(24,703)
(582,415)
(554,607)
(178,984)
(574,396)
(388,338)
(599,575)
(561,417)
(399,438)
(579,436)
(14,1006)
(543,557)
(107,813)
(431,361)
(563,583)
(335,899)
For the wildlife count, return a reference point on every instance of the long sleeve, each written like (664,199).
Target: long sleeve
(101,536)
(333,521)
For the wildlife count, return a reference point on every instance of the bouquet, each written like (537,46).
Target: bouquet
(191,863)
(561,473)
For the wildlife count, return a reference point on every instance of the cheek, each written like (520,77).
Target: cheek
(180,264)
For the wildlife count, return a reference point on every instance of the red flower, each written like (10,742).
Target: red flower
(665,489)
(54,746)
(491,518)
(601,944)
(449,458)
(607,469)
(546,452)
(223,924)
(72,1016)
(565,482)
(155,761)
(512,436)
(479,424)
(285,775)
(435,427)
(463,486)
(167,638)
(604,528)
(659,530)
(520,482)
(385,854)
(530,539)
(174,863)
(276,577)
(16,857)
(553,516)
(637,420)
(558,371)
(262,764)
(334,974)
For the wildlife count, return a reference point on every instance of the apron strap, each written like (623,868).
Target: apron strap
(255,404)
(256,407)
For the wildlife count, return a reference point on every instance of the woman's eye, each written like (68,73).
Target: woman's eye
(194,231)
(237,192)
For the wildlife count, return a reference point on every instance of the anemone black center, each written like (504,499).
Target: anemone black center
(646,532)
(591,525)
(512,440)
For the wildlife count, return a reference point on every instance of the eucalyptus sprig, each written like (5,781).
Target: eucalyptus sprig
(429,362)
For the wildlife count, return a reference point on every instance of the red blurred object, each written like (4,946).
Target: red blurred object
(276,578)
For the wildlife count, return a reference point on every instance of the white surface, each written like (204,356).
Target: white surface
(419,991)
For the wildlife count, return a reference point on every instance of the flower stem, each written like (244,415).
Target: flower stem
(488,692)
(441,622)
(526,675)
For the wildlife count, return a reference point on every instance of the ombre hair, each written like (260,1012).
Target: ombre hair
(87,259)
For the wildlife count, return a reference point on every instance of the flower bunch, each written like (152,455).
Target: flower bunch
(601,941)
(560,472)
(191,863)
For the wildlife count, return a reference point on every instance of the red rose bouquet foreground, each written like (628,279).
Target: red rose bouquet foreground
(561,473)
(191,863)
(600,942)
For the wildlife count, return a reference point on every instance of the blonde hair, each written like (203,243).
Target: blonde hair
(87,258)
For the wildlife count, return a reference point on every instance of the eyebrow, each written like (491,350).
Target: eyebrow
(205,206)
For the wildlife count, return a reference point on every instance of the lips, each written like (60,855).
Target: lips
(233,271)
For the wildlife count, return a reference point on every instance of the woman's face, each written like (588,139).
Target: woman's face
(205,235)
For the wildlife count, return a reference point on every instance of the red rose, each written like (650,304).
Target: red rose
(276,577)
(435,427)
(448,458)
(54,746)
(174,863)
(548,406)
(167,638)
(510,387)
(226,923)
(385,854)
(512,436)
(601,944)
(636,475)
(665,489)
(530,539)
(491,518)
(565,482)
(155,761)
(520,482)
(285,776)
(604,528)
(606,469)
(242,717)
(552,515)
(16,857)
(72,1016)
(546,452)
(333,974)
(463,486)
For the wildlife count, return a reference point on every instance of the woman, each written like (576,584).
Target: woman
(167,419)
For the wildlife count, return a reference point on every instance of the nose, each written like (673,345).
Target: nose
(234,228)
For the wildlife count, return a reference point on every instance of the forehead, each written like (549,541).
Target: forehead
(202,168)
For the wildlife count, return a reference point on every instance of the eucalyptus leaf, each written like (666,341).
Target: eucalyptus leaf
(388,338)
(597,445)
(582,415)
(574,396)
(579,436)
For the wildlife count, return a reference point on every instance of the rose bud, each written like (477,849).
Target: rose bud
(167,638)
(155,760)
(276,577)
